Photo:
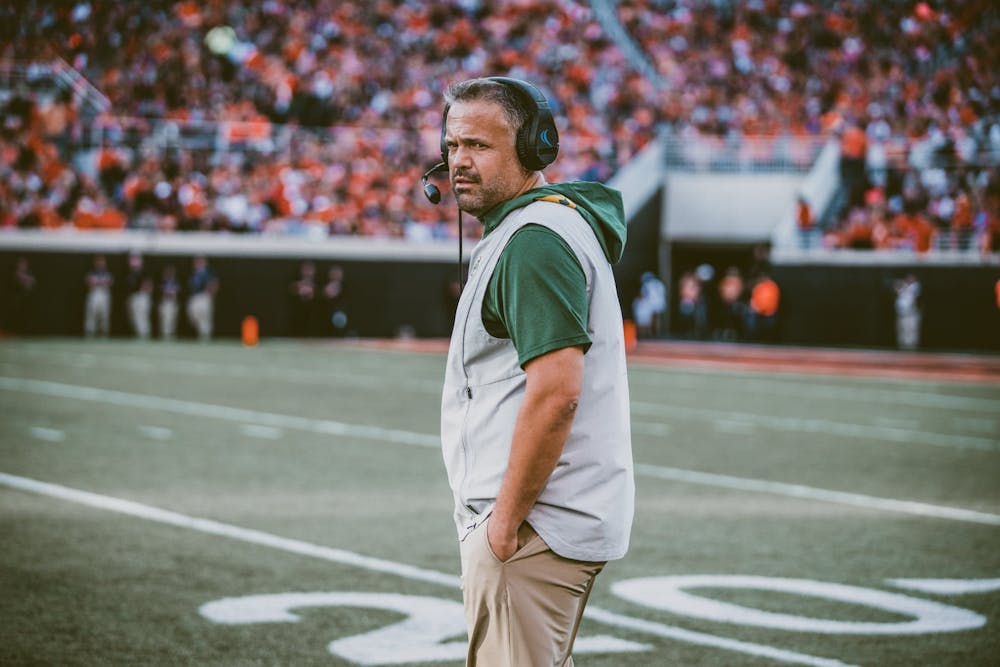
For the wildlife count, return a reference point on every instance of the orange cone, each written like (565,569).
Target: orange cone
(250,331)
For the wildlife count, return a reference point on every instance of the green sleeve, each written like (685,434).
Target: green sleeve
(537,295)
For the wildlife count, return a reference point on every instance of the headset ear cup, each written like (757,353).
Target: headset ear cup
(525,146)
(537,141)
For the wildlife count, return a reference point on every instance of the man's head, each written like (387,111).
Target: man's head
(496,137)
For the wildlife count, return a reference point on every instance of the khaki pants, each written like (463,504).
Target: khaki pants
(524,611)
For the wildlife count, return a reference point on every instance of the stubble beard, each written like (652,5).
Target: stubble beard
(481,198)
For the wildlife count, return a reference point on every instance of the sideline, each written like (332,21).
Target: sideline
(395,436)
(341,556)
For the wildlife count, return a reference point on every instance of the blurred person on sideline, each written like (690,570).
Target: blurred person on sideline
(332,296)
(649,305)
(20,298)
(170,290)
(303,302)
(97,309)
(138,297)
(202,288)
(908,312)
(535,409)
(732,306)
(762,311)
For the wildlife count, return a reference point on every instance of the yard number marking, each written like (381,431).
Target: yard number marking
(434,628)
(423,636)
(668,594)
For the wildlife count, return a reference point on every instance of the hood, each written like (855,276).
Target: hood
(599,205)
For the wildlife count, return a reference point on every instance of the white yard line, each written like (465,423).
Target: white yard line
(213,411)
(178,366)
(812,493)
(820,426)
(809,386)
(351,558)
(328,427)
(47,434)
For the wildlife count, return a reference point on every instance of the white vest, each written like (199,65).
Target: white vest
(584,512)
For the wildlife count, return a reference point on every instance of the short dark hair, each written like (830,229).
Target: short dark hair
(487,90)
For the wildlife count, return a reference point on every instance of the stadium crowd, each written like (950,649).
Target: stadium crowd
(322,114)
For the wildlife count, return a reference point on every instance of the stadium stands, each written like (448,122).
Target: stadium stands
(317,117)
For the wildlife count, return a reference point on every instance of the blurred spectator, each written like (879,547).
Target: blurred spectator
(169,289)
(137,297)
(97,308)
(732,305)
(762,313)
(649,305)
(202,288)
(908,312)
(20,298)
(805,221)
(692,320)
(304,301)
(333,302)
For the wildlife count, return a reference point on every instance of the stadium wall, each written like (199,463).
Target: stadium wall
(852,303)
(391,287)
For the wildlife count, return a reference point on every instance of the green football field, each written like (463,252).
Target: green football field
(207,504)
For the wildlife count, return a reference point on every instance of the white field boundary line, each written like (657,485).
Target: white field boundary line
(328,427)
(821,426)
(343,557)
(813,493)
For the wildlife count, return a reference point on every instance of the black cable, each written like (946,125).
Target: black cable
(461,272)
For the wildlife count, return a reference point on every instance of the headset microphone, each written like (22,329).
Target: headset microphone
(431,191)
(433,195)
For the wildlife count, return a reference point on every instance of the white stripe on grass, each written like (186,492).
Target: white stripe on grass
(213,411)
(329,377)
(47,434)
(404,570)
(948,586)
(865,432)
(812,493)
(807,385)
(395,436)
(156,432)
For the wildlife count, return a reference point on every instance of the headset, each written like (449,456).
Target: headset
(536,143)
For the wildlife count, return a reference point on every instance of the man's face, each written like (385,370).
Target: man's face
(482,159)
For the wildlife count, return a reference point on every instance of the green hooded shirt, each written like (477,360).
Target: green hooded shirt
(538,273)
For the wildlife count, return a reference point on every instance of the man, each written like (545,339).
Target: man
(203,286)
(535,409)
(97,309)
(138,296)
(170,289)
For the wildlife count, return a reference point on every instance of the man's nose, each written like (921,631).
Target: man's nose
(460,156)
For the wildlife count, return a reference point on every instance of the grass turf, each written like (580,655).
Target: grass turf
(333,445)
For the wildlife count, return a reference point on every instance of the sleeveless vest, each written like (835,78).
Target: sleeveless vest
(585,510)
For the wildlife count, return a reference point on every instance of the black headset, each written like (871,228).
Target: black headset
(537,140)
